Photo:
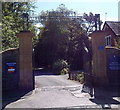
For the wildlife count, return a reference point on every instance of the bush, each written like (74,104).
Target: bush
(60,67)
(80,77)
(64,71)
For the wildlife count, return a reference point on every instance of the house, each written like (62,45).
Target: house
(113,30)
(105,55)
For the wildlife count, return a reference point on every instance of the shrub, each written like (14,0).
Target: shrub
(64,71)
(80,77)
(60,67)
(118,43)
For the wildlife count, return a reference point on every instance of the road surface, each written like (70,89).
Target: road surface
(56,91)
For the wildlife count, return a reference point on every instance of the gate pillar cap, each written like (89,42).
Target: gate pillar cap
(25,34)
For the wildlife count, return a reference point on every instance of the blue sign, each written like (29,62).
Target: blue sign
(114,62)
(100,47)
(11,68)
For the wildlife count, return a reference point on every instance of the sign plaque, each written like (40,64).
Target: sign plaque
(11,68)
(114,63)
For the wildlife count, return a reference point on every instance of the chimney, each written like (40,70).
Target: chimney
(97,22)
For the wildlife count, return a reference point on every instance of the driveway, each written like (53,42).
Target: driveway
(56,91)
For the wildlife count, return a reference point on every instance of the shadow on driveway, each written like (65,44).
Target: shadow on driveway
(106,96)
(42,72)
(105,102)
(13,95)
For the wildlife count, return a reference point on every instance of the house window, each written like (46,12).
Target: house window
(108,40)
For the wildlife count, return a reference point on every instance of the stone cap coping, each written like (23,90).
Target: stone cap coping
(112,47)
(25,33)
(10,49)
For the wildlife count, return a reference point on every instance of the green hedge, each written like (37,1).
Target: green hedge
(61,67)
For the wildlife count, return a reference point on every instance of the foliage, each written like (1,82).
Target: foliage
(60,38)
(12,22)
(64,71)
(118,43)
(80,77)
(60,67)
(89,22)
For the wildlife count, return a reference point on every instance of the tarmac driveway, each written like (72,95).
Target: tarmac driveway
(56,91)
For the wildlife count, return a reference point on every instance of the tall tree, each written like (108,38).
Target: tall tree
(61,37)
(12,21)
(91,22)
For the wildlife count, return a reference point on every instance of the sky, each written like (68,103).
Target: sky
(108,9)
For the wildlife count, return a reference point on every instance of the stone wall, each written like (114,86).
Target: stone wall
(10,79)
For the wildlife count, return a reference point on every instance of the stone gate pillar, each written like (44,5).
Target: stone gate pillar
(26,80)
(99,58)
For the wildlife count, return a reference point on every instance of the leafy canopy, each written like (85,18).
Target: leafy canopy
(61,37)
(12,22)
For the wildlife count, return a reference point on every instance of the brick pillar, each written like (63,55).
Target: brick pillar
(26,80)
(99,58)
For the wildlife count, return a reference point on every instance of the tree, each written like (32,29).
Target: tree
(12,22)
(60,38)
(90,22)
(118,43)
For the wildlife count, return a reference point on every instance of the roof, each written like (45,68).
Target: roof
(114,26)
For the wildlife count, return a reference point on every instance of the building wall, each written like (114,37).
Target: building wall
(110,32)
